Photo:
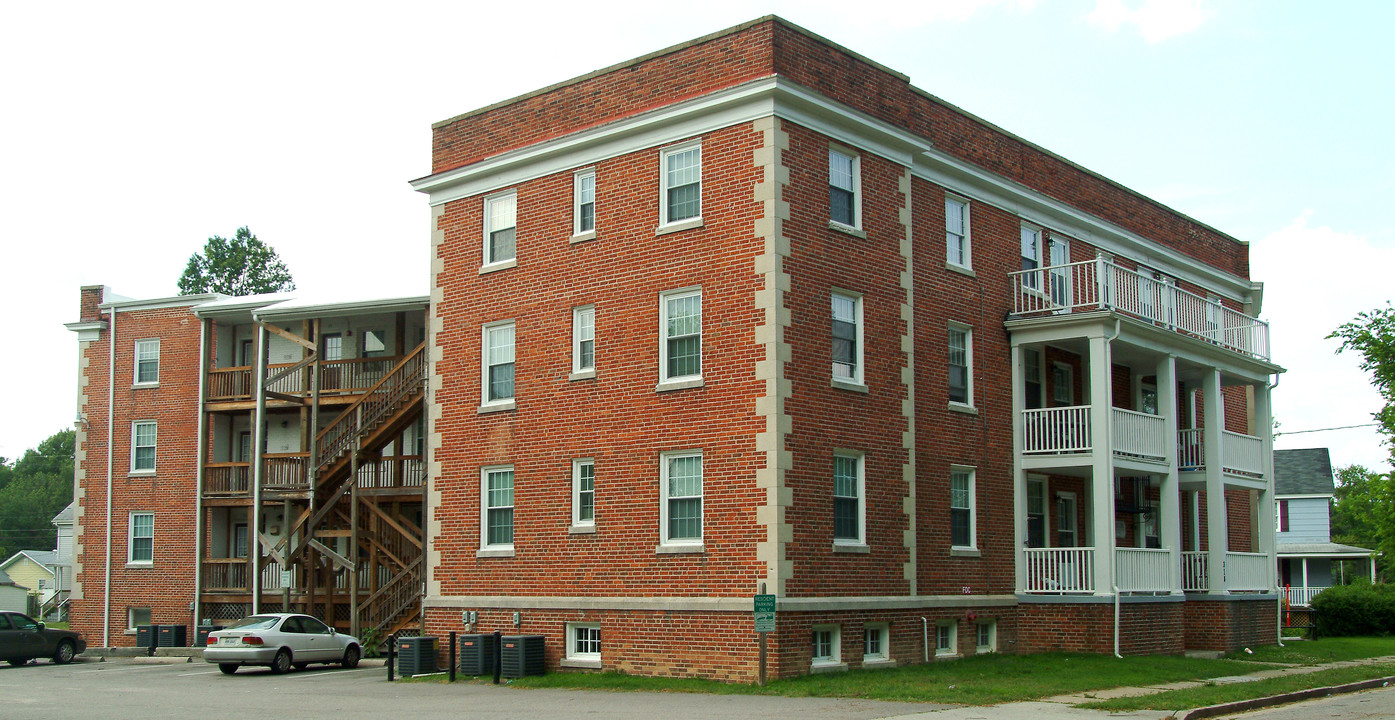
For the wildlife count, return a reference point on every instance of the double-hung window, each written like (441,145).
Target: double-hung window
(497,518)
(957,232)
(500,228)
(143,447)
(583,493)
(847,337)
(961,353)
(142,546)
(843,186)
(584,205)
(681,483)
(498,373)
(584,339)
(1031,257)
(848,507)
(961,507)
(680,169)
(147,362)
(680,325)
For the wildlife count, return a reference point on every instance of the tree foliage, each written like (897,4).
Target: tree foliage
(1373,335)
(1363,512)
(243,265)
(33,489)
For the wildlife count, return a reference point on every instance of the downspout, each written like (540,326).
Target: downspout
(200,457)
(925,637)
(254,533)
(1278,593)
(1116,623)
(111,418)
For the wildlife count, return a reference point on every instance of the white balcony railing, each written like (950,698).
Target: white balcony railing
(1194,571)
(1240,454)
(1191,454)
(1056,430)
(1301,596)
(1143,569)
(1248,571)
(1060,570)
(1100,284)
(1139,434)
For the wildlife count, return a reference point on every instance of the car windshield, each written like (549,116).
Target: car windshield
(254,622)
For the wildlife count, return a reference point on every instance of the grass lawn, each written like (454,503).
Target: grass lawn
(978,680)
(1312,652)
(1217,694)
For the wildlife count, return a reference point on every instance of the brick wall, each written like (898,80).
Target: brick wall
(1231,625)
(1144,628)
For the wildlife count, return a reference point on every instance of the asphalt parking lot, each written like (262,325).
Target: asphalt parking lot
(137,688)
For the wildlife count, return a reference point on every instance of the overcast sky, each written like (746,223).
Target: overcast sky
(132,131)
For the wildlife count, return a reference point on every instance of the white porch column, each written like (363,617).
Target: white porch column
(1373,570)
(1101,401)
(1264,428)
(1217,526)
(1169,492)
(1305,572)
(1019,476)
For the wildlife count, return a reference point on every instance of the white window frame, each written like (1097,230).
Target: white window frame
(1035,280)
(578,200)
(665,462)
(1074,529)
(946,630)
(486,403)
(487,261)
(578,492)
(963,241)
(991,626)
(154,446)
(583,322)
(971,474)
(835,642)
(856,163)
(1069,384)
(587,656)
(131,624)
(664,299)
(485,546)
(138,360)
(968,331)
(859,346)
(861,485)
(882,632)
(131,538)
(664,154)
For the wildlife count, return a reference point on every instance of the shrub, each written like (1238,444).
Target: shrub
(1358,609)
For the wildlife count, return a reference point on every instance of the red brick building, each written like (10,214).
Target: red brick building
(753,313)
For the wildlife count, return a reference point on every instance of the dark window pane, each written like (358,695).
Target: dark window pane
(501,245)
(840,205)
(959,527)
(684,356)
(501,381)
(845,518)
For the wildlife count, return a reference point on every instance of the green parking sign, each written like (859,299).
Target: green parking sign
(765,613)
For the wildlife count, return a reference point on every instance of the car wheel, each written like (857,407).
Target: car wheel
(351,655)
(282,662)
(228,668)
(64,654)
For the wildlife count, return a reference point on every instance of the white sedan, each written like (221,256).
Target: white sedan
(280,641)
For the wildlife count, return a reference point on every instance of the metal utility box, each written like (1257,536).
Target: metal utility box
(172,636)
(476,654)
(522,655)
(145,635)
(416,655)
(201,634)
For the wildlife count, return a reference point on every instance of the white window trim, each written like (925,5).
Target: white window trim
(884,630)
(574,658)
(131,560)
(156,455)
(681,544)
(695,221)
(1069,385)
(579,372)
(861,540)
(953,648)
(131,626)
(678,381)
(487,263)
(968,263)
(578,524)
(856,188)
(857,381)
(487,405)
(1040,270)
(135,363)
(1055,515)
(972,472)
(992,645)
(579,235)
(836,647)
(968,331)
(499,549)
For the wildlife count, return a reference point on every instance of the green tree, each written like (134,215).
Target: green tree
(40,484)
(243,265)
(1373,335)
(1363,513)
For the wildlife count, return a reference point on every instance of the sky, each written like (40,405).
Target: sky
(131,132)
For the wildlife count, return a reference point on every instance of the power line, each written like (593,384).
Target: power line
(1344,427)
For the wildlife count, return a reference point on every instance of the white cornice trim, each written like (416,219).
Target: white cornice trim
(161,303)
(1304,496)
(87,331)
(715,604)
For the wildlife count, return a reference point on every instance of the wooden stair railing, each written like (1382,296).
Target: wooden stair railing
(408,376)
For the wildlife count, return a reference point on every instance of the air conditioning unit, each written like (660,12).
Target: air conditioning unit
(171,636)
(416,656)
(145,635)
(522,655)
(477,654)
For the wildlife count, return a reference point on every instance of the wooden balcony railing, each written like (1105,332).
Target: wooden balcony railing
(229,479)
(1056,430)
(1139,434)
(1100,284)
(337,377)
(1143,569)
(230,383)
(1240,454)
(1194,571)
(403,471)
(225,575)
(379,400)
(1301,596)
(1248,571)
(285,472)
(1060,570)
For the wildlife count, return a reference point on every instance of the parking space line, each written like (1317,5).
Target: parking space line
(202,672)
(335,672)
(127,669)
